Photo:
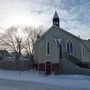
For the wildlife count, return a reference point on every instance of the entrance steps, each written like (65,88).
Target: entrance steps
(69,67)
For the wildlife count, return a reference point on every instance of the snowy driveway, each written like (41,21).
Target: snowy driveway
(29,80)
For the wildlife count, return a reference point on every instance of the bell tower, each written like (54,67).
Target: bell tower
(56,19)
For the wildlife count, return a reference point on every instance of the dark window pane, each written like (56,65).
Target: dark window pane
(67,47)
(47,48)
(71,47)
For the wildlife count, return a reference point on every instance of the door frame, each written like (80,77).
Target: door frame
(50,67)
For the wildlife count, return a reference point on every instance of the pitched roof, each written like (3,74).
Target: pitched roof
(87,42)
(55,27)
(43,35)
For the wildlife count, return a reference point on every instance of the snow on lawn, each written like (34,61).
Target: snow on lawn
(64,82)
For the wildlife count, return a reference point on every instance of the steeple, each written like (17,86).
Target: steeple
(56,19)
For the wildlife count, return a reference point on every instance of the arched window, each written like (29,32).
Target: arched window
(69,47)
(47,48)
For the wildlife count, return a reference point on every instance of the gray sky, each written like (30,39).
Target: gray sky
(74,14)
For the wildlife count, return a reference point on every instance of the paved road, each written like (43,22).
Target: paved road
(22,85)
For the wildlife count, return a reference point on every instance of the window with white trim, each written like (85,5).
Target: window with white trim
(69,47)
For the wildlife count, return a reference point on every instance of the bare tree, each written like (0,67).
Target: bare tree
(11,40)
(31,34)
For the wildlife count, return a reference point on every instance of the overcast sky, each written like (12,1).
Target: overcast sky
(74,14)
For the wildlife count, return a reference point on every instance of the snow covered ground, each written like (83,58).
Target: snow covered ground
(31,80)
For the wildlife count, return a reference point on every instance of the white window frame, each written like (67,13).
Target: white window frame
(69,47)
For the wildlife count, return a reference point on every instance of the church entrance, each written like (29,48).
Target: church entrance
(48,68)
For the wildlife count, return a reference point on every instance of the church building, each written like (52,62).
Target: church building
(59,51)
